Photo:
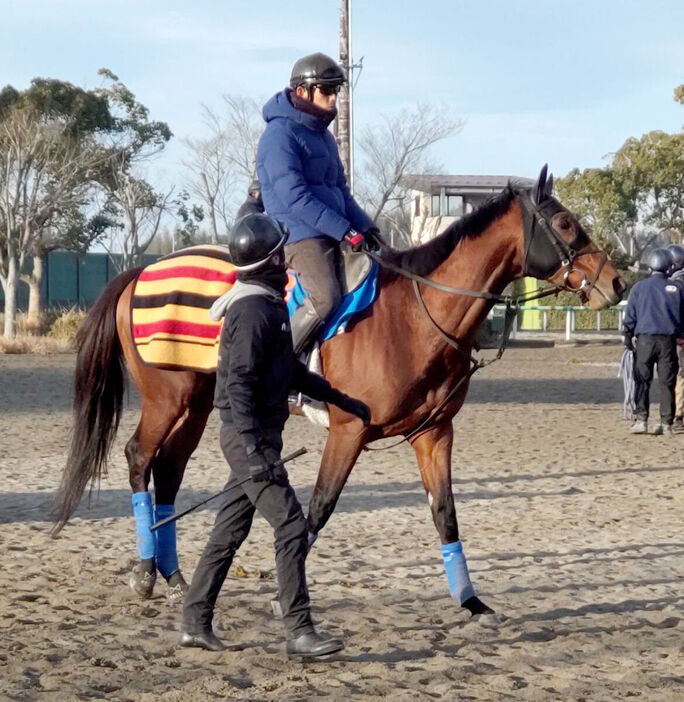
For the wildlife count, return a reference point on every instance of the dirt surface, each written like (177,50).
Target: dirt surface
(572,528)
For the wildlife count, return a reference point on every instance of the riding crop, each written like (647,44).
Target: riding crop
(174,517)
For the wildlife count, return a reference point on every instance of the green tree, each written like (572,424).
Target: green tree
(606,206)
(136,207)
(653,167)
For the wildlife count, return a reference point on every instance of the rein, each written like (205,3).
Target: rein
(566,256)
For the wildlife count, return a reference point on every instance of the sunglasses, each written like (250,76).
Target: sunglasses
(329,89)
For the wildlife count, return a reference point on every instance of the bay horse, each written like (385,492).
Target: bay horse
(421,382)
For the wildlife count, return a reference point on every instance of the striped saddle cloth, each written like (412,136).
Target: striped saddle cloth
(170,308)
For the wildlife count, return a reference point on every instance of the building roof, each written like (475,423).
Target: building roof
(430,183)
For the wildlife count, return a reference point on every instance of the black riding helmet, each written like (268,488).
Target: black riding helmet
(677,253)
(659,260)
(253,241)
(317,69)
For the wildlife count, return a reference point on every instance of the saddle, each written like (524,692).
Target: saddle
(359,291)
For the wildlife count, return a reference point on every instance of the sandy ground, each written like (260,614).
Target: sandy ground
(573,531)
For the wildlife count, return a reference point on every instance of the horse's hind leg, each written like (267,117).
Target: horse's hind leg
(433,450)
(168,469)
(156,421)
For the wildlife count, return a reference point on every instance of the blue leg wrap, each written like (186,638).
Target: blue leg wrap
(456,569)
(142,511)
(167,556)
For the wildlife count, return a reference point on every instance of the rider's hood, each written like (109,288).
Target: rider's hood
(280,106)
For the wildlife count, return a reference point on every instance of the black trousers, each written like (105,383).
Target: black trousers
(652,349)
(280,507)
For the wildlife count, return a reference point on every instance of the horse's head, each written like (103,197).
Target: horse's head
(558,249)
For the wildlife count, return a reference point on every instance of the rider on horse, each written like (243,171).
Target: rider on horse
(304,187)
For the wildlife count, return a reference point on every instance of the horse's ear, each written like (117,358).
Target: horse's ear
(538,192)
(548,190)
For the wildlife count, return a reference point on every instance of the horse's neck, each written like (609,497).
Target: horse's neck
(487,262)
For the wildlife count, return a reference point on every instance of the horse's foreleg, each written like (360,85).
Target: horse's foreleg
(433,450)
(168,469)
(153,428)
(341,451)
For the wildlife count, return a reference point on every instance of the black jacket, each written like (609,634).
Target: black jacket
(252,205)
(257,367)
(655,306)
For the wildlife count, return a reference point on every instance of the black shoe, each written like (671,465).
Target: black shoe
(206,640)
(312,645)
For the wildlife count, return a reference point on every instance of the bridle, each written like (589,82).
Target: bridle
(537,220)
(545,253)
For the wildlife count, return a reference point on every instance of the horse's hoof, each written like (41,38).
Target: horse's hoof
(476,606)
(177,588)
(142,582)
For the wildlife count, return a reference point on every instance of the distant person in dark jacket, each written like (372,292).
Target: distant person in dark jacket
(253,204)
(654,317)
(677,277)
(305,188)
(256,369)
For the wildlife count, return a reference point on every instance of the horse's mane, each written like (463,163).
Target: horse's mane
(422,260)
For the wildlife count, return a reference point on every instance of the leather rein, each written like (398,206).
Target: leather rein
(534,221)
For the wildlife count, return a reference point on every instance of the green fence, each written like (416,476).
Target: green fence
(72,280)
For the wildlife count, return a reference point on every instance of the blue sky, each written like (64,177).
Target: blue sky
(563,82)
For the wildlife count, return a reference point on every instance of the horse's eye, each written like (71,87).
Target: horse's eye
(565,223)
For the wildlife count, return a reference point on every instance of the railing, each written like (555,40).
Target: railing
(570,316)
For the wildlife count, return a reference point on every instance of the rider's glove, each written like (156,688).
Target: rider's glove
(355,239)
(264,462)
(628,342)
(375,240)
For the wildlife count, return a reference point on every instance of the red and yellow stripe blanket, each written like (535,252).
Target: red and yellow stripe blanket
(170,308)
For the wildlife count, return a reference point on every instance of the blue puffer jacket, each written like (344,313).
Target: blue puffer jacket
(302,179)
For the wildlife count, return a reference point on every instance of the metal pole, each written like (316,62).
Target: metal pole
(351,97)
(568,324)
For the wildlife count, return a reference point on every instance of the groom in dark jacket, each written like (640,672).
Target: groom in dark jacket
(304,187)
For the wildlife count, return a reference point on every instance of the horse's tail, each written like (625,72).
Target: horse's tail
(99,385)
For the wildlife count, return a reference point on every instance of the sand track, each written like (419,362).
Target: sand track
(572,528)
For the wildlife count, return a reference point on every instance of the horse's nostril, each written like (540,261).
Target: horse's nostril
(619,286)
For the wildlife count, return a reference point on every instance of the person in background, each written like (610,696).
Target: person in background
(253,204)
(677,276)
(654,317)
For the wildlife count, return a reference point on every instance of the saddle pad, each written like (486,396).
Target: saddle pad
(170,318)
(352,303)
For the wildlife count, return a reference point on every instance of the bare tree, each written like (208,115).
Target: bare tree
(44,176)
(139,209)
(224,162)
(399,145)
(244,125)
(211,172)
